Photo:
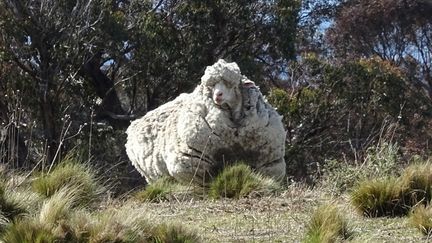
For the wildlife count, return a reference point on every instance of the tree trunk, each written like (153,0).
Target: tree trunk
(50,128)
(110,109)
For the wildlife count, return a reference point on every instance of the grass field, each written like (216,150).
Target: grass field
(72,204)
(281,218)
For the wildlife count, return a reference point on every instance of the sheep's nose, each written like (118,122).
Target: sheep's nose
(218,94)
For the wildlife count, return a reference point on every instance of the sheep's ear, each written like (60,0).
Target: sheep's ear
(248,84)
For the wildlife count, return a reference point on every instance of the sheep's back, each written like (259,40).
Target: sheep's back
(147,137)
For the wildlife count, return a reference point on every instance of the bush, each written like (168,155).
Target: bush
(326,225)
(239,181)
(69,173)
(380,161)
(335,111)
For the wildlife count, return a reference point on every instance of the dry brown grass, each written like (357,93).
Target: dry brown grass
(281,218)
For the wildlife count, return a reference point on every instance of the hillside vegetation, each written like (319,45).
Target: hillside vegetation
(352,79)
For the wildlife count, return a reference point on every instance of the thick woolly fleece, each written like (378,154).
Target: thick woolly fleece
(192,138)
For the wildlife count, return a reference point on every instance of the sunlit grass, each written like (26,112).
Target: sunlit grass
(379,197)
(416,183)
(28,231)
(14,203)
(327,225)
(157,191)
(394,196)
(239,181)
(71,174)
(421,218)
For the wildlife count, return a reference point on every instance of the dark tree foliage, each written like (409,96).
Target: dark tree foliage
(74,73)
(344,109)
(85,68)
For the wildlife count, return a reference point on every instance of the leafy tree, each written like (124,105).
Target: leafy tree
(398,31)
(336,111)
(90,66)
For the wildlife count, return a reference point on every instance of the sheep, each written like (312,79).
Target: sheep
(194,136)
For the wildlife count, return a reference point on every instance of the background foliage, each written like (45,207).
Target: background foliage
(345,74)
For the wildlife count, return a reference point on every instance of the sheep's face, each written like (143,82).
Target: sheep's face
(225,94)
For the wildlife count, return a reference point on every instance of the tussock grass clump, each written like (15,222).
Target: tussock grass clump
(70,174)
(40,226)
(326,225)
(58,207)
(159,190)
(124,224)
(379,197)
(394,196)
(421,218)
(28,231)
(16,202)
(58,221)
(173,233)
(416,183)
(239,181)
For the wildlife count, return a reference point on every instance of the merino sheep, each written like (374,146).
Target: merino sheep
(223,120)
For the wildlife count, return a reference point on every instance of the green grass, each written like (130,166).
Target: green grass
(10,208)
(394,196)
(16,202)
(379,197)
(71,174)
(416,182)
(276,217)
(239,181)
(58,207)
(173,233)
(28,231)
(121,224)
(159,190)
(327,225)
(421,218)
(269,217)
(380,161)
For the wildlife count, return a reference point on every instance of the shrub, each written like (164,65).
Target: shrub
(239,181)
(421,218)
(380,161)
(336,110)
(72,174)
(326,225)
